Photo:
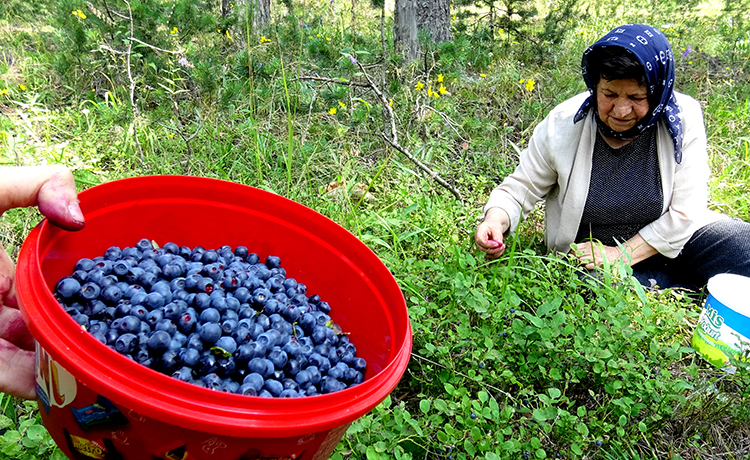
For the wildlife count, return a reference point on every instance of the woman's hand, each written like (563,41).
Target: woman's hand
(52,189)
(592,254)
(489,233)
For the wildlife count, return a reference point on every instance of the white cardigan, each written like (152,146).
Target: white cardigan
(556,167)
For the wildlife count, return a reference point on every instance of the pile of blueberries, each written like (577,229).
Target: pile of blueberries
(221,319)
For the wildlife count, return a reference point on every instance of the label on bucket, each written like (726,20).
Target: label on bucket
(721,333)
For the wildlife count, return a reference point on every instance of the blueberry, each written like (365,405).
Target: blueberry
(166,325)
(68,287)
(303,379)
(599,442)
(84,264)
(144,244)
(126,343)
(130,324)
(184,374)
(154,317)
(89,291)
(209,332)
(186,322)
(278,357)
(111,294)
(359,364)
(225,366)
(159,341)
(273,386)
(227,344)
(154,300)
(209,315)
(473,416)
(262,366)
(207,363)
(189,356)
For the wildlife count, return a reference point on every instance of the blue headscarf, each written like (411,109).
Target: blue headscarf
(651,49)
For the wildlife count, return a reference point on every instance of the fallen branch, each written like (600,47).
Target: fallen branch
(393,138)
(338,81)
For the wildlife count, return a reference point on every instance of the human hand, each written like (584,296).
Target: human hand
(489,233)
(592,254)
(52,189)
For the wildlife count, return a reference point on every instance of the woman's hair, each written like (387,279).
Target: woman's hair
(615,63)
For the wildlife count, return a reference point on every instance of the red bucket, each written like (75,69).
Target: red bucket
(99,404)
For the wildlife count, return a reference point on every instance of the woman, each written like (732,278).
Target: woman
(623,170)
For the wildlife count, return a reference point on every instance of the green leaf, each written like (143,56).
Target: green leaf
(440,405)
(549,307)
(442,437)
(533,319)
(372,454)
(539,415)
(642,427)
(469,448)
(581,411)
(5,422)
(576,449)
(622,420)
(540,453)
(554,393)
(424,406)
(482,395)
(218,351)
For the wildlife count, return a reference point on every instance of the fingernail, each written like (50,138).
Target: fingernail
(75,212)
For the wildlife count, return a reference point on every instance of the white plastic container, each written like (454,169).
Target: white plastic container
(724,325)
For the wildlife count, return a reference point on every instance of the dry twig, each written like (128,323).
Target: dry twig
(393,138)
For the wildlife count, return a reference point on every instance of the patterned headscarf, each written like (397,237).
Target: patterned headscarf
(651,49)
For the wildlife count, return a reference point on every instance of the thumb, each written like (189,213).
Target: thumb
(51,188)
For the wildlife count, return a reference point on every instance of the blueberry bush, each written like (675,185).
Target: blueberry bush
(513,359)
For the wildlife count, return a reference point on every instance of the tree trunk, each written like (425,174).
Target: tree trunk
(405,29)
(262,15)
(258,10)
(434,16)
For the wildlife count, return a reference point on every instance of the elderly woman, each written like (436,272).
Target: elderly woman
(623,170)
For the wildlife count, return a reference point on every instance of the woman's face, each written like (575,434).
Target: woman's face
(621,103)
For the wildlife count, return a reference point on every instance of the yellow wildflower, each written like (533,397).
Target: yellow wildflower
(173,31)
(4,92)
(342,105)
(442,89)
(328,39)
(390,102)
(522,81)
(170,135)
(318,35)
(481,75)
(419,86)
(78,13)
(530,84)
(440,78)
(332,110)
(22,87)
(227,33)
(690,62)
(263,39)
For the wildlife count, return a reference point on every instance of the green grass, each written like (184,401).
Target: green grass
(547,363)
